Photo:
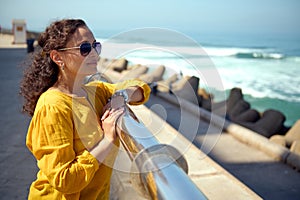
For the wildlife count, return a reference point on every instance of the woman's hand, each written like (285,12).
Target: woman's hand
(112,112)
(109,125)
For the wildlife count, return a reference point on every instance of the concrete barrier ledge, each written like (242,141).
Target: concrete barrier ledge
(241,133)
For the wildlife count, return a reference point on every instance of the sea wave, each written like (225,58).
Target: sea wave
(259,55)
(244,53)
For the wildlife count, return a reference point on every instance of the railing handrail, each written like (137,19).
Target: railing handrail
(160,168)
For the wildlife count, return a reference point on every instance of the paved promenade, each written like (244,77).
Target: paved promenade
(17,166)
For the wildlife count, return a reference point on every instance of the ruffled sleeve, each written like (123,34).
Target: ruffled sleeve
(50,139)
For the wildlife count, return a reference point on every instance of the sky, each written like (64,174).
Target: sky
(230,16)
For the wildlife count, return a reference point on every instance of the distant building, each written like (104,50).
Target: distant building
(19,31)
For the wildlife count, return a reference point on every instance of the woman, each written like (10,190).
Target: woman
(72,133)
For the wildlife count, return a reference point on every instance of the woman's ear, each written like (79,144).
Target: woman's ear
(56,57)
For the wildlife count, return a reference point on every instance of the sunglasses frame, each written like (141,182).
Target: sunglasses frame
(93,45)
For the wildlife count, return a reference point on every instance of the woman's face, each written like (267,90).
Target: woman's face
(77,65)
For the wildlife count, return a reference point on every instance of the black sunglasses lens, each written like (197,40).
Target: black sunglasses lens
(97,46)
(85,49)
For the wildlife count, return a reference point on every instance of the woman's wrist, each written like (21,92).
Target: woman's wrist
(117,102)
(129,95)
(109,139)
(102,149)
(122,93)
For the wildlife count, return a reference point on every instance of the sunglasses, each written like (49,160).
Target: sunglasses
(85,48)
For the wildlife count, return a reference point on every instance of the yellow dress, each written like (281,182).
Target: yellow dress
(62,130)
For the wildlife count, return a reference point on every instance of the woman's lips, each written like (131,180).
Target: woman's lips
(92,63)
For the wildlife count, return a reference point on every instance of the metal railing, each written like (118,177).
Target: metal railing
(159,168)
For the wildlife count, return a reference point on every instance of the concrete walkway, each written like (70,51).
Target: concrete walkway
(17,166)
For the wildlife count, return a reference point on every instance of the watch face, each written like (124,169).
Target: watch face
(125,95)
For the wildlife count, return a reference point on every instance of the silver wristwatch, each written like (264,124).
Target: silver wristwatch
(122,93)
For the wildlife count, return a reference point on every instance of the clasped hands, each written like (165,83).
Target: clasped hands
(112,111)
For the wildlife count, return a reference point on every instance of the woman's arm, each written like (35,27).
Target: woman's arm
(112,111)
(137,90)
(135,94)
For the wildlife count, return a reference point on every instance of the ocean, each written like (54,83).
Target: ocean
(265,66)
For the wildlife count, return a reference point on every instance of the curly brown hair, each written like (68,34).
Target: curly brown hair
(42,73)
